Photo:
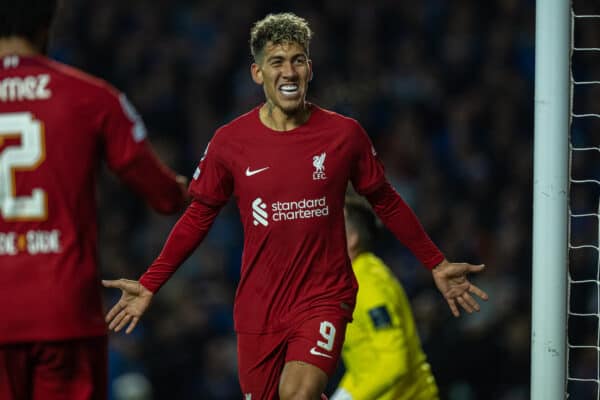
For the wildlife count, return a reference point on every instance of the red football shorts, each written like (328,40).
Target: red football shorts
(261,357)
(67,370)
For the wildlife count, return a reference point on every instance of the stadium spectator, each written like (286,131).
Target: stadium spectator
(287,162)
(56,126)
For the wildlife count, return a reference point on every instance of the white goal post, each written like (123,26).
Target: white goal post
(550,194)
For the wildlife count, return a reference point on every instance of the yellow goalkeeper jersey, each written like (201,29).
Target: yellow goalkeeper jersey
(382,350)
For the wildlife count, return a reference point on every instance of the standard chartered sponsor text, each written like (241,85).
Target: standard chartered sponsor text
(301,209)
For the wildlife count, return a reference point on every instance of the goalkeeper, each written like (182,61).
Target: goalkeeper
(382,351)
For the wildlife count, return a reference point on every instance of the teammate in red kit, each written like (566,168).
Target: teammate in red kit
(288,163)
(56,125)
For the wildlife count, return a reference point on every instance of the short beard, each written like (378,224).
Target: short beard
(290,112)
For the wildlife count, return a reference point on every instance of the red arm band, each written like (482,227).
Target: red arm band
(185,236)
(403,223)
(155,182)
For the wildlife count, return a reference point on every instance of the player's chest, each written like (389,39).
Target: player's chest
(302,164)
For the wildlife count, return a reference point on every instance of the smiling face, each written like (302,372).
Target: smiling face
(284,71)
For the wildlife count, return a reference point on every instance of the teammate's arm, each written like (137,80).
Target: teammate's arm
(146,175)
(130,156)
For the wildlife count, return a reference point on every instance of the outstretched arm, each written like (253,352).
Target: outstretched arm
(398,217)
(186,235)
(450,278)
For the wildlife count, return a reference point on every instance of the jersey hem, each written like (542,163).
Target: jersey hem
(51,337)
(310,312)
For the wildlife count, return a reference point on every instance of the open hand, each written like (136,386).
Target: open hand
(135,299)
(451,280)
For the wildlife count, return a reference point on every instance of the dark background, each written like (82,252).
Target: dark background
(444,89)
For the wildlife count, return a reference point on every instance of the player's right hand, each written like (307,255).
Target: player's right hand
(134,301)
(183,186)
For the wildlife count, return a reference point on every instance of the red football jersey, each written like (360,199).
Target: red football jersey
(290,189)
(56,125)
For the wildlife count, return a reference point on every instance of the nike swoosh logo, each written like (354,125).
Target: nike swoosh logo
(316,352)
(256,171)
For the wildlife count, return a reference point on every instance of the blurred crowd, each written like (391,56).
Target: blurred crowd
(444,89)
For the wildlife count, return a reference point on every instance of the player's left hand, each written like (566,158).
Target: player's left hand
(451,280)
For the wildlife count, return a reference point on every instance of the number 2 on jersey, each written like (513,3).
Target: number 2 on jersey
(25,156)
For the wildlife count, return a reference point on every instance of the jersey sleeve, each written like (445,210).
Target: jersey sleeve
(130,156)
(400,219)
(186,235)
(367,171)
(123,131)
(212,182)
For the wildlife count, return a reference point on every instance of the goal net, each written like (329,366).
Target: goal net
(583,312)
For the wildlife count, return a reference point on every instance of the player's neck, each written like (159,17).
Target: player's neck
(273,117)
(17,46)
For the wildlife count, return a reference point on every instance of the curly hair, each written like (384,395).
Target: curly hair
(278,29)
